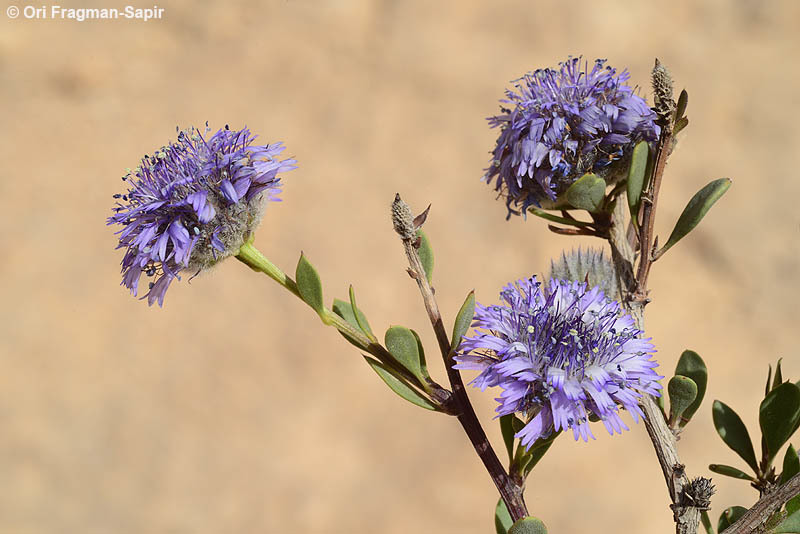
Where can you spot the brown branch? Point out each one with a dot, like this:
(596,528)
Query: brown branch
(648,209)
(762,510)
(510,492)
(687,517)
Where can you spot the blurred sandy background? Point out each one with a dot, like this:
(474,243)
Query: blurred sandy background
(232,409)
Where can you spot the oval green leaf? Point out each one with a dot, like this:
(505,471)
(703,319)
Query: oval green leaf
(507,431)
(502,519)
(637,173)
(682,392)
(397,385)
(696,209)
(309,284)
(733,432)
(528,525)
(778,375)
(463,320)
(789,525)
(345,311)
(360,318)
(587,192)
(425,252)
(537,452)
(778,416)
(791,464)
(683,101)
(404,345)
(706,522)
(691,365)
(729,471)
(729,517)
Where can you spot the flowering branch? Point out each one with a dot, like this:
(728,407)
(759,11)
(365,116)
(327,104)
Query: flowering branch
(510,492)
(762,510)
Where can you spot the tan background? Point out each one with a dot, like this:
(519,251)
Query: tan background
(232,409)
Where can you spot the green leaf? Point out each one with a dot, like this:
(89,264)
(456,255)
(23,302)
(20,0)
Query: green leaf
(587,192)
(345,311)
(706,522)
(397,385)
(733,432)
(778,375)
(778,416)
(768,387)
(309,285)
(463,320)
(528,525)
(537,452)
(691,365)
(425,252)
(683,101)
(696,209)
(502,519)
(791,464)
(507,430)
(637,173)
(405,346)
(729,471)
(729,517)
(361,319)
(789,525)
(680,124)
(682,393)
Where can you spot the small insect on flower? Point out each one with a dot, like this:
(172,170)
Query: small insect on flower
(561,124)
(560,355)
(193,203)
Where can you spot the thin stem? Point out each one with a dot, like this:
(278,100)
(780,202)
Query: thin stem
(762,510)
(648,210)
(510,492)
(252,257)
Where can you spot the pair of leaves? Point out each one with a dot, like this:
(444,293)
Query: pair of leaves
(779,418)
(687,388)
(406,348)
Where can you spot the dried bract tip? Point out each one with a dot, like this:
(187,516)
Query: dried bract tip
(402,218)
(590,266)
(664,105)
(698,493)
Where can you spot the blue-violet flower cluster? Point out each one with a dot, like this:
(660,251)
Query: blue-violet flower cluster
(559,356)
(561,124)
(193,203)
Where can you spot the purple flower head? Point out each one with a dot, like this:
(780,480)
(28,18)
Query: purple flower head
(562,124)
(192,204)
(560,355)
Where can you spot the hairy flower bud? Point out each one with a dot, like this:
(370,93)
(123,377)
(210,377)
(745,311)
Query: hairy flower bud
(664,105)
(590,266)
(192,204)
